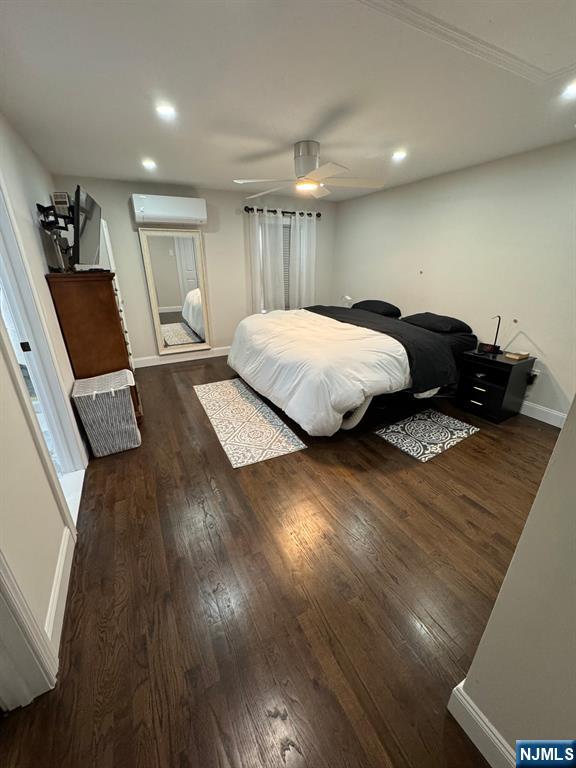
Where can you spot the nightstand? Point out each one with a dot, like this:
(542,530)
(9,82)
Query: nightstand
(492,386)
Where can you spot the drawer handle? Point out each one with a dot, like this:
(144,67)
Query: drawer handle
(476,402)
(480,389)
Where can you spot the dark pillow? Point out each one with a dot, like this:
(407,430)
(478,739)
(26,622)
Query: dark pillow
(379,307)
(438,323)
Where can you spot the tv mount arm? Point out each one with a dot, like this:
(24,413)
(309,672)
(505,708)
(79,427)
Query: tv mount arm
(53,223)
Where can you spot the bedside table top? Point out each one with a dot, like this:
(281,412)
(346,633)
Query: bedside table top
(499,359)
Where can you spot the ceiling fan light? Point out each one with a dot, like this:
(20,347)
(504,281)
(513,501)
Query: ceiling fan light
(307,185)
(166,111)
(399,155)
(569,92)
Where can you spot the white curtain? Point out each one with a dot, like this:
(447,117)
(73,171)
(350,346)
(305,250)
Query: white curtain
(264,236)
(302,260)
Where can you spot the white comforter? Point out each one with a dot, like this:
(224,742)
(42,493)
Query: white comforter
(316,369)
(193,313)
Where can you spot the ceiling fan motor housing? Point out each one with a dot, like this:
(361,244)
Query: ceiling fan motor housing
(306,157)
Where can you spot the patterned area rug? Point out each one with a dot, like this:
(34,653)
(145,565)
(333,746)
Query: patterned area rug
(426,434)
(178,333)
(248,430)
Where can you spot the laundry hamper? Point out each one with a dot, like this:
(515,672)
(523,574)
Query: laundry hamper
(105,407)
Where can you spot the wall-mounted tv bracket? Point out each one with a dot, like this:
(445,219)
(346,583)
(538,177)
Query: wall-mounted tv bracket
(54,222)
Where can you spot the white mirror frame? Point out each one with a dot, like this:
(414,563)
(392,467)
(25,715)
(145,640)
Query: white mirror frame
(196,235)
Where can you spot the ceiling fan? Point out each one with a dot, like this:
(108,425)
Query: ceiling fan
(311,176)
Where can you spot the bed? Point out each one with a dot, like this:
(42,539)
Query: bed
(323,365)
(193,313)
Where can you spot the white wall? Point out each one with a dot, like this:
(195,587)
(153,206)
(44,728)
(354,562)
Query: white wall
(165,271)
(522,678)
(498,238)
(227,266)
(27,182)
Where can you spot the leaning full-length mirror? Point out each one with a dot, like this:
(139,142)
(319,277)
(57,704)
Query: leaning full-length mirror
(174,264)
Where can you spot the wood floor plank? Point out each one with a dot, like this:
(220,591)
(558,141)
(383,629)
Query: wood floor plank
(311,611)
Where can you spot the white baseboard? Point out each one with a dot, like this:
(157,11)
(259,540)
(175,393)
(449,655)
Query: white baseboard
(46,659)
(170,309)
(540,412)
(489,741)
(72,483)
(57,603)
(146,362)
(22,674)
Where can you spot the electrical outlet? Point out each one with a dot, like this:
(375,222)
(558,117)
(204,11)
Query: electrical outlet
(532,376)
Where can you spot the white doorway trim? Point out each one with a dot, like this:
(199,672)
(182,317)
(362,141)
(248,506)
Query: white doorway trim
(14,370)
(24,302)
(186,283)
(29,651)
(27,668)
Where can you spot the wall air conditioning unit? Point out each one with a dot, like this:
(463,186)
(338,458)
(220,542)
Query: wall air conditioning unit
(161,209)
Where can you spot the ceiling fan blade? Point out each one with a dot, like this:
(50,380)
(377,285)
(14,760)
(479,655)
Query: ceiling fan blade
(357,183)
(320,192)
(326,170)
(267,192)
(263,181)
(332,118)
(266,154)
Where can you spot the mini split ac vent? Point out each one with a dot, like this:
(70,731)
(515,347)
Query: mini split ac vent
(161,209)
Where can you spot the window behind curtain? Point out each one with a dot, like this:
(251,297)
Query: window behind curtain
(282,251)
(286,233)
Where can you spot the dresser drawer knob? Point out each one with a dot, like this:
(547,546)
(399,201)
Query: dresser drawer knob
(480,389)
(476,402)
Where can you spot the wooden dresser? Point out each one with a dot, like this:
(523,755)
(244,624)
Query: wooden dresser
(92,325)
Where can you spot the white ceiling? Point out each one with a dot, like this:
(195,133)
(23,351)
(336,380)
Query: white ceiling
(457,82)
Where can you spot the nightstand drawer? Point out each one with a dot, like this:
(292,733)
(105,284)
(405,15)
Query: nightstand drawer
(489,374)
(492,386)
(474,405)
(480,393)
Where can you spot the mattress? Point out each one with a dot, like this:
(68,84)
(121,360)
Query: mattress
(319,369)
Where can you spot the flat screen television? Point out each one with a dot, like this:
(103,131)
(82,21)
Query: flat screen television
(87,214)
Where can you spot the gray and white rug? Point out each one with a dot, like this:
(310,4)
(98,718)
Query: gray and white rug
(426,434)
(248,430)
(178,333)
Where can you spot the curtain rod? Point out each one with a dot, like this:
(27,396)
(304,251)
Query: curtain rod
(248,209)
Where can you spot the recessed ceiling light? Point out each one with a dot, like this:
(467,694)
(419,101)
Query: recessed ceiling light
(306,185)
(399,155)
(149,164)
(166,111)
(570,91)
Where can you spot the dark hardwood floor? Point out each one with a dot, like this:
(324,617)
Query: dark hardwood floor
(313,610)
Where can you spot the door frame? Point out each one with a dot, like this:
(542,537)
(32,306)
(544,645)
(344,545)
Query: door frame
(24,305)
(181,270)
(29,668)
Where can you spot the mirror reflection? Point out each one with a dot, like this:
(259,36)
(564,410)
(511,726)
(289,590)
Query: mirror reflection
(174,272)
